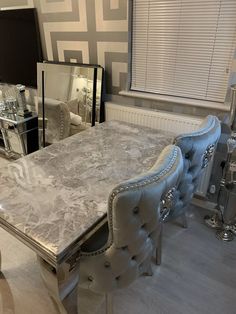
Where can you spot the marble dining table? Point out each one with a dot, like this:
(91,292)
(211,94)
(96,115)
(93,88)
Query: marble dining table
(53,200)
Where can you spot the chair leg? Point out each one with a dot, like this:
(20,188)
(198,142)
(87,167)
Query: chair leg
(159,247)
(184,220)
(109,303)
(147,270)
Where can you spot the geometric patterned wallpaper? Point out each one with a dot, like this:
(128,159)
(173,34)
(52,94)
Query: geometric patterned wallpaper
(84,31)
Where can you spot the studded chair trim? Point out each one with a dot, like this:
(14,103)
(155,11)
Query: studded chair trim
(197,149)
(134,226)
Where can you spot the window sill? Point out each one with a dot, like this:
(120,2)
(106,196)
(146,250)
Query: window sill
(176,100)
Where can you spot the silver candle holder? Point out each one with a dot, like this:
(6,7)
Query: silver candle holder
(224,218)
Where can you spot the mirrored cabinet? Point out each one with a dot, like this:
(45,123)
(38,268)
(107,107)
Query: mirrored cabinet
(18,124)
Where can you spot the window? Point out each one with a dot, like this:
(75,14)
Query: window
(183,47)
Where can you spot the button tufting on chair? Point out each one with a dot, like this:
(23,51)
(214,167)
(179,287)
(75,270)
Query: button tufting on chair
(107,264)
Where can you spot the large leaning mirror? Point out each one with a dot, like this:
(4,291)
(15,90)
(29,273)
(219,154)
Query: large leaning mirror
(69,99)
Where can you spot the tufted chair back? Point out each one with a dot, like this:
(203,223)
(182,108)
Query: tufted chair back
(197,149)
(133,226)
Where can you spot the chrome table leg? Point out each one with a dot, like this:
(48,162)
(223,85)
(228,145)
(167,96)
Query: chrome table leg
(61,282)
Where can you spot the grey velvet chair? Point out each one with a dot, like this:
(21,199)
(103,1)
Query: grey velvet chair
(122,250)
(197,149)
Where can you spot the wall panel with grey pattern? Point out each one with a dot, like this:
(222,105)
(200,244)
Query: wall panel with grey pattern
(84,31)
(88,31)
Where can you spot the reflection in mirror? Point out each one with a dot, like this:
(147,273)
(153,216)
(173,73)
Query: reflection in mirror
(69,99)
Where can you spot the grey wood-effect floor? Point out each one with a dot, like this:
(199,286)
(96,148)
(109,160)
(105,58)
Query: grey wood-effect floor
(197,276)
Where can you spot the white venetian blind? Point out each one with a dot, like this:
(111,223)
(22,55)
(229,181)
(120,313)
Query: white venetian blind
(183,47)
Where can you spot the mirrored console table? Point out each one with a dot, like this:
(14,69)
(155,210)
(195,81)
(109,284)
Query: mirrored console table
(18,135)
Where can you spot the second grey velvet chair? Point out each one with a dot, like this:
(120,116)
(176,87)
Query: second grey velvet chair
(122,250)
(197,149)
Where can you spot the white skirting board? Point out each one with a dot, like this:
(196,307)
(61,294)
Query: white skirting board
(171,122)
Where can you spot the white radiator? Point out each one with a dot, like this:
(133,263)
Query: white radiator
(171,122)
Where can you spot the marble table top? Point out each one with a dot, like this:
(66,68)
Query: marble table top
(50,198)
